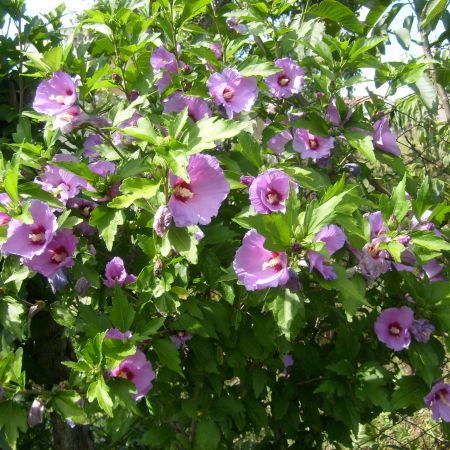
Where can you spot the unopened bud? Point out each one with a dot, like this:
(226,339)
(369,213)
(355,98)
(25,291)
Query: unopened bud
(162,220)
(293,282)
(82,286)
(134,94)
(246,179)
(36,413)
(116,78)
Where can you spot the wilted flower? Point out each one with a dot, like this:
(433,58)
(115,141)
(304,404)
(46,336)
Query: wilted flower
(232,90)
(258,268)
(433,270)
(72,118)
(278,142)
(293,283)
(311,146)
(179,338)
(288,81)
(421,329)
(383,139)
(269,191)
(334,238)
(197,107)
(393,327)
(138,370)
(89,146)
(56,95)
(162,220)
(82,286)
(439,401)
(373,260)
(28,240)
(115,273)
(36,413)
(57,254)
(198,201)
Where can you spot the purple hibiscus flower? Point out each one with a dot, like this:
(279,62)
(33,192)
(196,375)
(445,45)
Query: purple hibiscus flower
(278,142)
(377,226)
(288,81)
(4,200)
(198,201)
(434,271)
(421,329)
(197,107)
(36,413)
(269,191)
(334,238)
(246,179)
(56,95)
(162,220)
(333,116)
(72,118)
(114,333)
(137,369)
(439,401)
(288,362)
(163,60)
(57,254)
(179,338)
(102,168)
(383,139)
(374,261)
(89,146)
(115,273)
(258,268)
(233,91)
(234,24)
(216,48)
(310,146)
(28,240)
(393,327)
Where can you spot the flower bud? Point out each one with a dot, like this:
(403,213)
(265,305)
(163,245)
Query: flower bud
(293,282)
(246,179)
(162,220)
(82,286)
(36,413)
(116,78)
(134,95)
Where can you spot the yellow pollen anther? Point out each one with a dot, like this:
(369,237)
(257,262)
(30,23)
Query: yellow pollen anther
(273,262)
(183,192)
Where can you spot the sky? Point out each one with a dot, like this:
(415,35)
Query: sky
(394,52)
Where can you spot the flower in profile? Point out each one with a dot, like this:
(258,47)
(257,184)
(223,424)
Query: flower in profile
(89,146)
(233,91)
(179,338)
(216,48)
(311,146)
(28,240)
(438,400)
(383,139)
(162,220)
(36,413)
(393,327)
(4,200)
(257,267)
(122,139)
(269,191)
(332,114)
(102,168)
(163,60)
(377,226)
(114,333)
(72,118)
(56,95)
(197,201)
(197,107)
(374,261)
(334,238)
(434,271)
(421,329)
(115,273)
(278,142)
(137,369)
(246,179)
(234,25)
(288,81)
(57,254)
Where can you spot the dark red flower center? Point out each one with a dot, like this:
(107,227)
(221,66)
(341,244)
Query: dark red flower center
(125,373)
(374,251)
(182,191)
(273,197)
(273,263)
(228,94)
(395,329)
(313,143)
(37,235)
(283,80)
(4,219)
(441,396)
(59,254)
(69,91)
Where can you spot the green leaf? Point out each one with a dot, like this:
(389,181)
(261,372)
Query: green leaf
(423,199)
(10,182)
(426,360)
(425,88)
(184,243)
(13,418)
(309,178)
(362,143)
(98,390)
(400,204)
(289,312)
(362,45)
(432,9)
(106,220)
(193,8)
(168,354)
(134,188)
(143,131)
(409,393)
(254,66)
(337,12)
(429,241)
(121,312)
(207,435)
(250,149)
(34,190)
(314,123)
(66,403)
(80,169)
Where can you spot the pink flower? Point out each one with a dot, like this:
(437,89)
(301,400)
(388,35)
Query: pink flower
(198,201)
(233,91)
(334,238)
(162,59)
(114,333)
(439,401)
(392,327)
(288,81)
(115,273)
(258,268)
(28,240)
(311,146)
(434,271)
(139,371)
(269,191)
(72,118)
(57,254)
(383,139)
(197,107)
(374,261)
(333,116)
(4,200)
(216,48)
(278,142)
(56,95)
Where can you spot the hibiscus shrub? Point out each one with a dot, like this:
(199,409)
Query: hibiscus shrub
(207,244)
